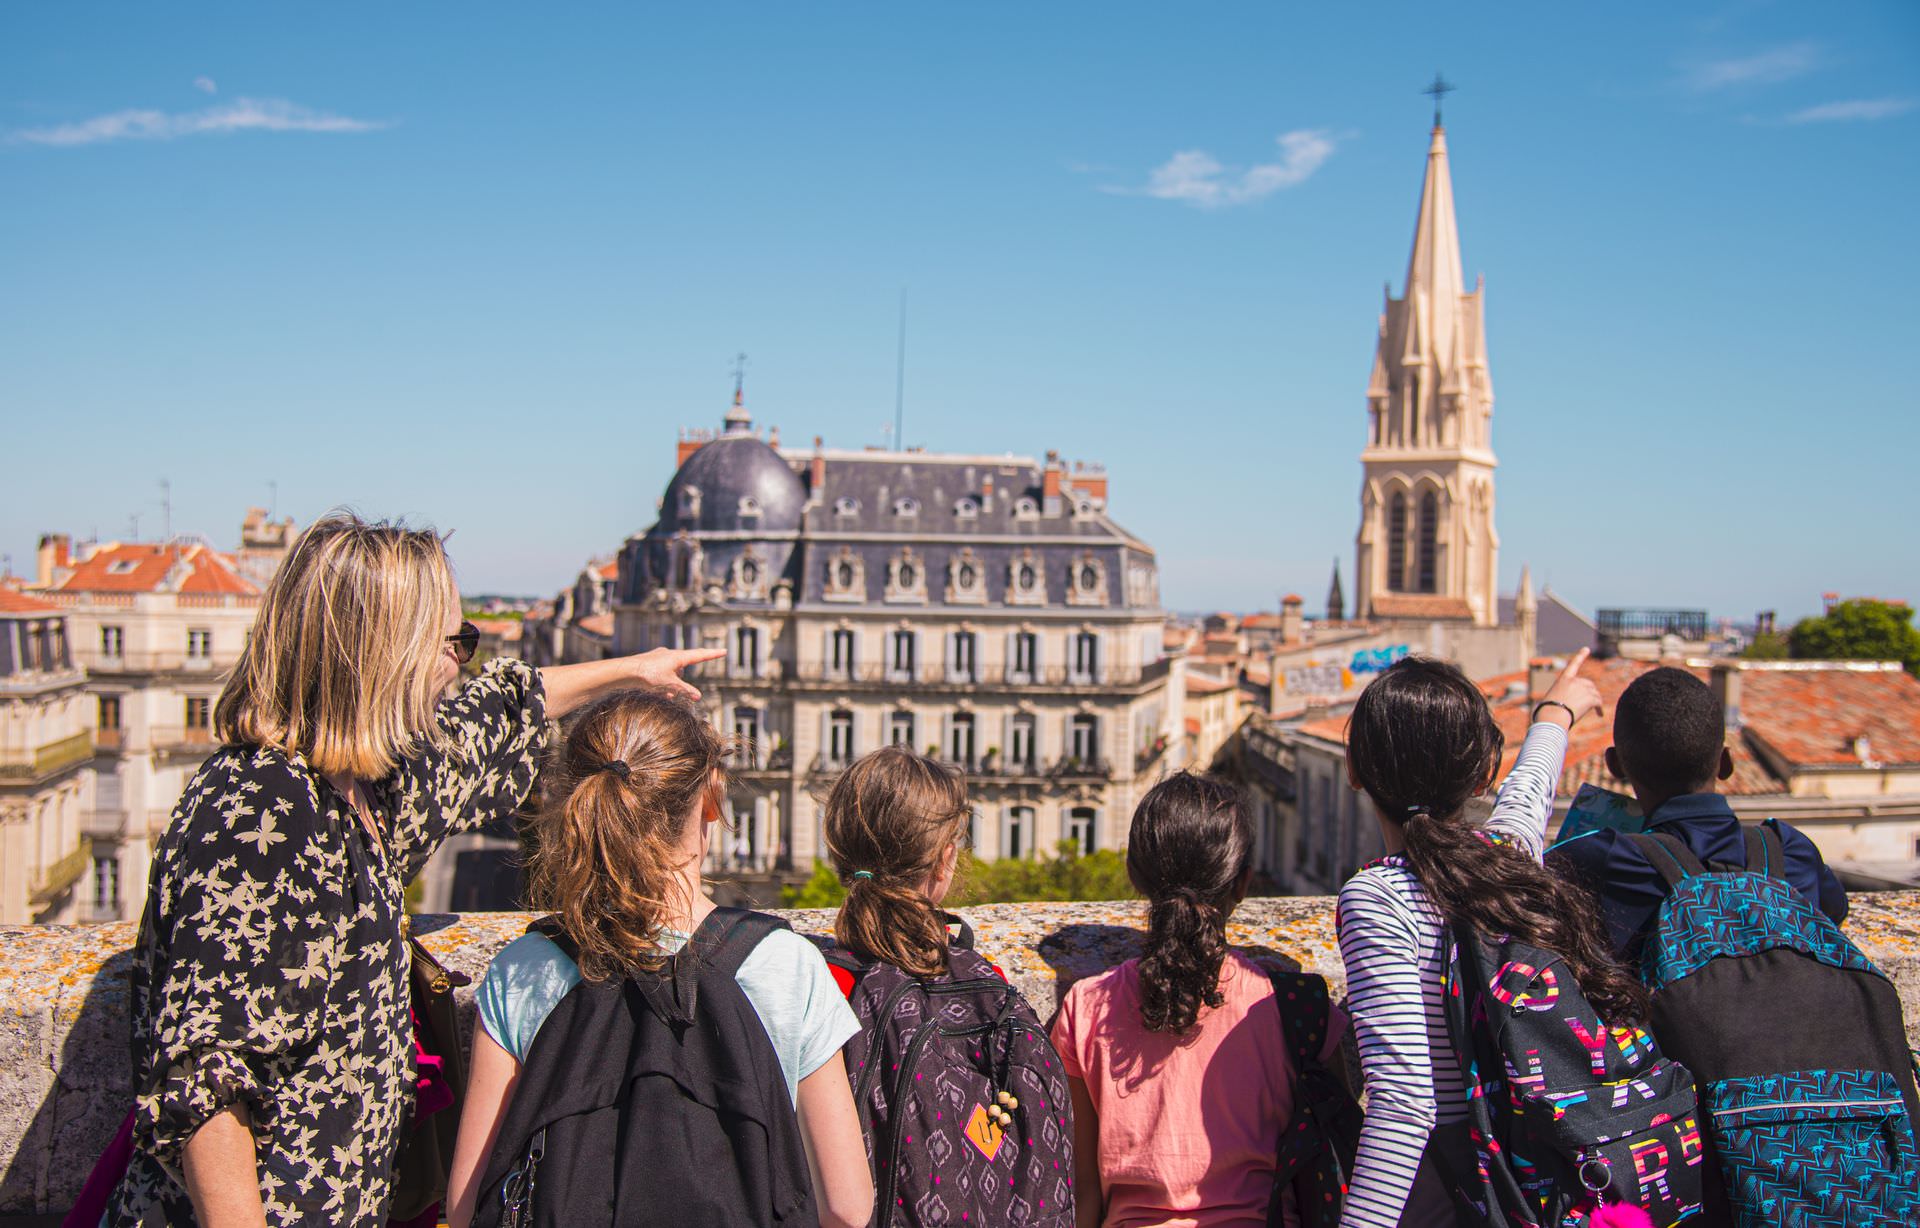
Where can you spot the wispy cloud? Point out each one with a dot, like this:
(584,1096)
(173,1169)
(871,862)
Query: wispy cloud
(1854,110)
(205,85)
(240,115)
(1765,68)
(1197,178)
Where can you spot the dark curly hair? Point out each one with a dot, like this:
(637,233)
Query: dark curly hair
(1422,743)
(1188,853)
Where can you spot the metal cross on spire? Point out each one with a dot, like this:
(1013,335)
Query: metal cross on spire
(1440,88)
(739,374)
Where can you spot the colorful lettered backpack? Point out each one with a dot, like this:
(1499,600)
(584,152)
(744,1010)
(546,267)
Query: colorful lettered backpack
(1806,1083)
(1570,1123)
(962,1098)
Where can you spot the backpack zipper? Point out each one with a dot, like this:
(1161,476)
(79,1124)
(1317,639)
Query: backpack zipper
(886,1013)
(1809,1104)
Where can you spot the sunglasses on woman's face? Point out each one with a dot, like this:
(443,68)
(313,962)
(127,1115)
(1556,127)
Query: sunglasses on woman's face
(465,641)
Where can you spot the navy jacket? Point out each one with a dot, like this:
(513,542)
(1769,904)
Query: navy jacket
(1630,891)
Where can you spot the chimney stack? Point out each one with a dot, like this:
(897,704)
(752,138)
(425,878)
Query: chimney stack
(55,555)
(1050,481)
(1541,673)
(817,472)
(1725,681)
(1293,627)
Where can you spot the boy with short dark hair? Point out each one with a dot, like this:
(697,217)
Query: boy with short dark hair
(1669,745)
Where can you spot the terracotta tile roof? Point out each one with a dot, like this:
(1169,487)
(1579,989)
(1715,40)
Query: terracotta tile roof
(507,630)
(1810,718)
(1330,728)
(1207,684)
(1419,605)
(13,601)
(143,567)
(609,570)
(1260,622)
(596,624)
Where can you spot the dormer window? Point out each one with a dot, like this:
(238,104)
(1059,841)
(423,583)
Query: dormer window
(689,502)
(906,577)
(1083,509)
(122,567)
(1024,577)
(967,577)
(966,509)
(846,507)
(843,574)
(1089,578)
(749,506)
(1087,581)
(749,573)
(1026,509)
(906,507)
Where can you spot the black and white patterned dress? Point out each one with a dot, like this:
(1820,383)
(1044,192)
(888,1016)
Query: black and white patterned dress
(271,968)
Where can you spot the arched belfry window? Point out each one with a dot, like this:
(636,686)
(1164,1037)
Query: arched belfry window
(1397,542)
(1429,541)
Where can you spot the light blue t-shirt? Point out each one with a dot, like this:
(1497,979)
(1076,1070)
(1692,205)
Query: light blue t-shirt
(785,978)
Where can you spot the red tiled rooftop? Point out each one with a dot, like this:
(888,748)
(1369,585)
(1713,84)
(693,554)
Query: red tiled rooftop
(609,570)
(597,624)
(1207,684)
(13,601)
(1810,718)
(143,567)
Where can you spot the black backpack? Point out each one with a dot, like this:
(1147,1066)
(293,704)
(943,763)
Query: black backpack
(962,1099)
(654,1096)
(1806,1082)
(1318,1145)
(1564,1114)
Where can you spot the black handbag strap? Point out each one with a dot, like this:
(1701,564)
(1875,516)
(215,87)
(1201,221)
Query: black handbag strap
(1766,852)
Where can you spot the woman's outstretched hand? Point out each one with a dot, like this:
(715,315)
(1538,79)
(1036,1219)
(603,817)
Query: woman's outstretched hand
(659,670)
(1578,696)
(570,686)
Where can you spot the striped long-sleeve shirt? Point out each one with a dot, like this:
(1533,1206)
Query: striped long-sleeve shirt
(1390,942)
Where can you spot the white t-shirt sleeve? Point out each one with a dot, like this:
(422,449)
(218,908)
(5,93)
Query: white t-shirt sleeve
(806,1016)
(523,984)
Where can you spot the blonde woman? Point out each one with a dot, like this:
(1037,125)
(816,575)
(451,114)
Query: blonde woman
(270,1033)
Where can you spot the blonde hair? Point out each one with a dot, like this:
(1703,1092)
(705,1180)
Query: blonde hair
(606,845)
(890,820)
(339,666)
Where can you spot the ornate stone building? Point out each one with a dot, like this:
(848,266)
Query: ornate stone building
(46,765)
(1426,546)
(985,608)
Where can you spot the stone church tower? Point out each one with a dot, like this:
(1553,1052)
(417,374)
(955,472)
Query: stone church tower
(1427,547)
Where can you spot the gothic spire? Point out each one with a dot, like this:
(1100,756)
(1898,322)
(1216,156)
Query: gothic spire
(1434,280)
(1336,600)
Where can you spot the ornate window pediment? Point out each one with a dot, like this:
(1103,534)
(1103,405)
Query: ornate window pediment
(846,576)
(966,579)
(689,503)
(907,577)
(1026,579)
(1087,581)
(748,578)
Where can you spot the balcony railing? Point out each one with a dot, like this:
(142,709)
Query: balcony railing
(109,739)
(1052,677)
(106,822)
(182,738)
(1075,767)
(64,873)
(45,761)
(144,662)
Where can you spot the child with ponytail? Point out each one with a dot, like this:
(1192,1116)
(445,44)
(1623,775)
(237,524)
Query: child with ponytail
(1421,744)
(1179,1062)
(642,1053)
(962,1098)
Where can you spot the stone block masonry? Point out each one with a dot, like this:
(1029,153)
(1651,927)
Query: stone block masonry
(64,1073)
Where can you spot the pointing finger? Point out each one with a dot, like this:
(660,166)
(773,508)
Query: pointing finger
(1573,666)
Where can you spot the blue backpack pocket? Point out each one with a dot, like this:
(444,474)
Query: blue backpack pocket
(1833,1146)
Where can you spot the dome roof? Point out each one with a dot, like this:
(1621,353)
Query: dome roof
(736,483)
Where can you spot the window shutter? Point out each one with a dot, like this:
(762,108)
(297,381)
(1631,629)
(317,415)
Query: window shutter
(826,734)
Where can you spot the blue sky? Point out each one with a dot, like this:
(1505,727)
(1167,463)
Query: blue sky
(477,264)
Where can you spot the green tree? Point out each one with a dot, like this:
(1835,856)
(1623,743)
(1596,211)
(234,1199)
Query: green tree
(1767,646)
(822,890)
(1860,629)
(1067,875)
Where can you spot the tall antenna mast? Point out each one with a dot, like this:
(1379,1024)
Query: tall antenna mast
(273,499)
(166,509)
(900,380)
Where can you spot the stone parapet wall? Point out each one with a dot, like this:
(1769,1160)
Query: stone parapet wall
(64,1074)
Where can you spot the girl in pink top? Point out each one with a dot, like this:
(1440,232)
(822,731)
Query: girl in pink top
(1179,1068)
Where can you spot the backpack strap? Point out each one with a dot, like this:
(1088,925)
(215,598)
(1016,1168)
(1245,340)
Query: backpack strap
(963,939)
(1304,1004)
(1669,856)
(1766,852)
(549,927)
(720,944)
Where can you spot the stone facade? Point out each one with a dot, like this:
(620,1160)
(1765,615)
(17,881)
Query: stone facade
(46,765)
(985,608)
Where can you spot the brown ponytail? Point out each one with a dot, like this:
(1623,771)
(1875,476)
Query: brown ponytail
(1188,852)
(890,820)
(1422,742)
(634,770)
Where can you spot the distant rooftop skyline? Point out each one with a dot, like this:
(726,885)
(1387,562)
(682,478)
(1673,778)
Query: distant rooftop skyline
(482,272)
